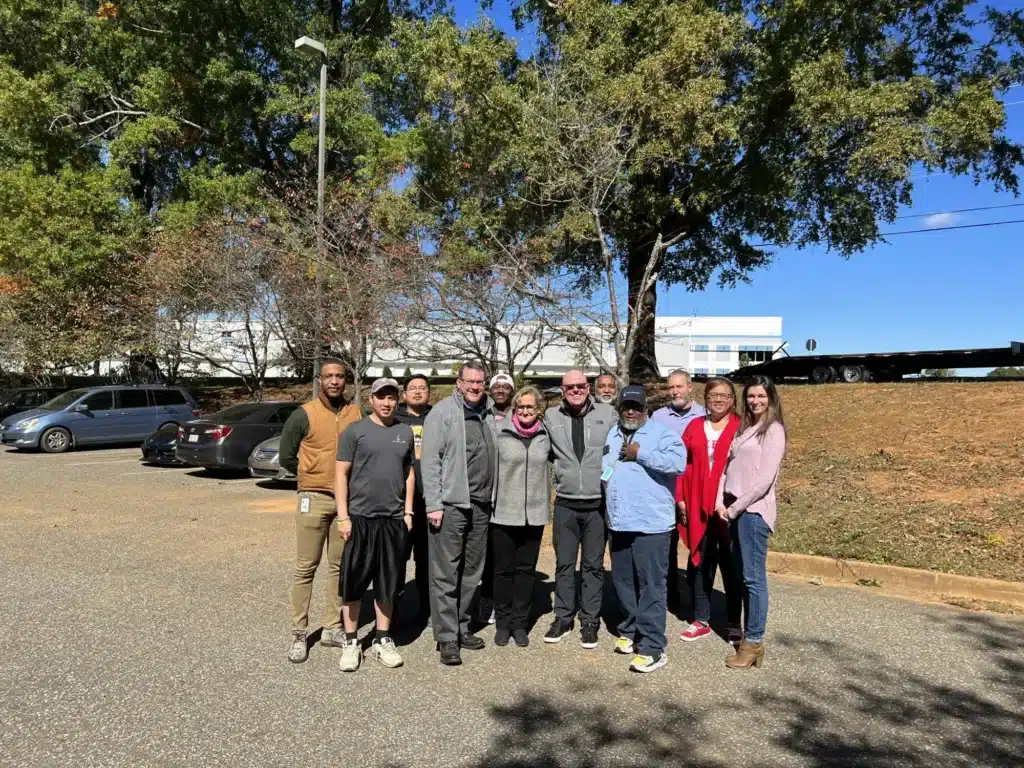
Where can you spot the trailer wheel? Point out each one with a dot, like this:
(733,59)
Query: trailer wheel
(823,374)
(853,374)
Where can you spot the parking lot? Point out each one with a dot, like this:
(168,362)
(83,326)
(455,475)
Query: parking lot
(146,623)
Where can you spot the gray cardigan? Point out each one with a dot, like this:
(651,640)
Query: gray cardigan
(523,492)
(443,454)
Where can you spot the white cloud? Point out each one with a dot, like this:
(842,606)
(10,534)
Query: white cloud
(941,220)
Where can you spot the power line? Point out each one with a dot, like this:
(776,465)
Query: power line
(961,210)
(915,231)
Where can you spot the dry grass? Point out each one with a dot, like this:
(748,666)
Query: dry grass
(925,475)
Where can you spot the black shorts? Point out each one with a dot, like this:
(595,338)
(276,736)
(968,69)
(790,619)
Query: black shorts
(374,554)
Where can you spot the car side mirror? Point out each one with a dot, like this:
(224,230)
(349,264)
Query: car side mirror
(82,408)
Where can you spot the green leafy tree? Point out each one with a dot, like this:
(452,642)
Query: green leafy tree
(1006,372)
(771,122)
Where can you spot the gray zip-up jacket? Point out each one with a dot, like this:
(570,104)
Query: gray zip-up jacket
(443,454)
(575,479)
(522,495)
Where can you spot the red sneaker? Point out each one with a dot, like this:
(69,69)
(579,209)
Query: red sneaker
(695,631)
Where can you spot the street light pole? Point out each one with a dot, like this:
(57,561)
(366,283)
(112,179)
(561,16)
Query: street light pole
(311,47)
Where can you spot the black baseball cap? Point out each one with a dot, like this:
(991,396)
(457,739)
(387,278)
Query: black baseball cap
(634,393)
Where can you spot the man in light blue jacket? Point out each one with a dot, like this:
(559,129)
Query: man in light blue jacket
(641,462)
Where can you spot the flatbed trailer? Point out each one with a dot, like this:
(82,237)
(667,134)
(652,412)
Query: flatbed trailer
(881,366)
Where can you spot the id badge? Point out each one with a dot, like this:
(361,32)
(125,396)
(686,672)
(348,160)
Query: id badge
(607,474)
(304,505)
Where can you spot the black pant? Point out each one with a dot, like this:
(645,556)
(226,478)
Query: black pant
(487,582)
(673,570)
(714,554)
(514,551)
(416,548)
(457,551)
(576,530)
(639,563)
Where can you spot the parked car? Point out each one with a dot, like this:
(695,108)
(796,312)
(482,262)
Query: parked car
(25,399)
(227,438)
(159,447)
(95,415)
(264,461)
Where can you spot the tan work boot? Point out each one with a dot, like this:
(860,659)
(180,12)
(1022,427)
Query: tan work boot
(747,655)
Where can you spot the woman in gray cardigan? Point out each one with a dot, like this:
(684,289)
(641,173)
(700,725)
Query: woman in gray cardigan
(521,499)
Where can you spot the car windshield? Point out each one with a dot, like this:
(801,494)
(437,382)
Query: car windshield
(237,412)
(63,401)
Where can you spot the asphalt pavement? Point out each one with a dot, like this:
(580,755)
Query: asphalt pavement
(145,623)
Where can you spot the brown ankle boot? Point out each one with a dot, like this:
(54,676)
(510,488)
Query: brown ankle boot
(748,655)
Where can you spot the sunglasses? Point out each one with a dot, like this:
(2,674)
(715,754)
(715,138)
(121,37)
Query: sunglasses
(575,387)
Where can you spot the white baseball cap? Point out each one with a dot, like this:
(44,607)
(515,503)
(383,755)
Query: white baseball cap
(502,378)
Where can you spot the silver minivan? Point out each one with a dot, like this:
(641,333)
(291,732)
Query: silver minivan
(93,415)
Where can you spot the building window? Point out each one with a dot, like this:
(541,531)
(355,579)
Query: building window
(749,355)
(700,371)
(700,348)
(722,371)
(723,347)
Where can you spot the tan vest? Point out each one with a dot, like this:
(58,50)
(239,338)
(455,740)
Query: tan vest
(319,448)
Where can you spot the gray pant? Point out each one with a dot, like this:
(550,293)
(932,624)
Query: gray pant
(457,552)
(576,530)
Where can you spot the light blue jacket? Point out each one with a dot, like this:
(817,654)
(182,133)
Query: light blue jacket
(640,494)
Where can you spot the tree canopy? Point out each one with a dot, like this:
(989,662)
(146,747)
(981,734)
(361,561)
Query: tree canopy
(722,128)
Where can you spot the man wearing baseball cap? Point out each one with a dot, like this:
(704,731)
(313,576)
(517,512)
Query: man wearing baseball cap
(375,487)
(501,388)
(641,462)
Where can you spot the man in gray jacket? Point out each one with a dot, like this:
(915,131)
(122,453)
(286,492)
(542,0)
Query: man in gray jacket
(459,464)
(577,429)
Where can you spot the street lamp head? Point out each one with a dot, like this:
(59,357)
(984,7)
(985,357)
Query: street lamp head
(310,47)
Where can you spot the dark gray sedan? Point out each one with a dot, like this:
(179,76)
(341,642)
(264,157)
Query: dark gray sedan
(265,461)
(225,439)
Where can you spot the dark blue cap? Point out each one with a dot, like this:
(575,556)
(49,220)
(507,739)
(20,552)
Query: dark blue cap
(634,393)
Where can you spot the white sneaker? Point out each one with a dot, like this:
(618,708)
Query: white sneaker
(386,652)
(351,656)
(624,645)
(641,663)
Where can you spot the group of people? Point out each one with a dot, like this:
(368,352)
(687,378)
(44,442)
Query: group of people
(464,488)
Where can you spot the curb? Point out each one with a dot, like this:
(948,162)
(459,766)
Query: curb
(897,577)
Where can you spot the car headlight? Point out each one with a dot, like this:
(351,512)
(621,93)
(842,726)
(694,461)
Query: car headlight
(27,424)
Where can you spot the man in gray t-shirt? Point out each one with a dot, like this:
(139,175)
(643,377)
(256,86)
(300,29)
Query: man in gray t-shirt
(374,489)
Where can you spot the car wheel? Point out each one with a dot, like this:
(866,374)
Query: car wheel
(853,374)
(168,424)
(823,374)
(55,440)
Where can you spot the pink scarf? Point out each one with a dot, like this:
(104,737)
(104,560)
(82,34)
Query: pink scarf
(525,431)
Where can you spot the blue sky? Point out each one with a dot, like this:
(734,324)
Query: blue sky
(934,290)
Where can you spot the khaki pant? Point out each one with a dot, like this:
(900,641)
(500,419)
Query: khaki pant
(314,527)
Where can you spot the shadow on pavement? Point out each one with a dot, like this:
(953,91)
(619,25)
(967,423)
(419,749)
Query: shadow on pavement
(220,474)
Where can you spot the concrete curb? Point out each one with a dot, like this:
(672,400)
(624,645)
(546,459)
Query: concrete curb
(897,577)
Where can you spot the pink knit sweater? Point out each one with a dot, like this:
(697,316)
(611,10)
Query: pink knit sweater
(752,472)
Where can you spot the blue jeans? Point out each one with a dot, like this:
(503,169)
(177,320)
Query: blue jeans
(748,539)
(639,575)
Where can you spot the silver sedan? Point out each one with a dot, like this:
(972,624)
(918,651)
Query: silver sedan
(264,461)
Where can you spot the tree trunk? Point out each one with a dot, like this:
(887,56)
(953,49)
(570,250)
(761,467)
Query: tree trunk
(644,365)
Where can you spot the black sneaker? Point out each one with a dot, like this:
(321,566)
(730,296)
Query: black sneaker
(588,636)
(450,655)
(470,642)
(558,630)
(501,637)
(522,639)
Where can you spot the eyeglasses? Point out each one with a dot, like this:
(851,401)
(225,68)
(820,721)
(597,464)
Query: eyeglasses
(575,387)
(417,389)
(472,383)
(526,408)
(719,398)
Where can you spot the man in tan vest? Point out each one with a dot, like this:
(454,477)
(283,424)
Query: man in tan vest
(309,443)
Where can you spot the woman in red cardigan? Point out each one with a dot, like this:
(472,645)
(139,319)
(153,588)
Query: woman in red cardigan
(707,442)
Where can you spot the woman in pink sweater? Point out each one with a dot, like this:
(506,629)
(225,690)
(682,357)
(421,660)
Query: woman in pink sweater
(746,498)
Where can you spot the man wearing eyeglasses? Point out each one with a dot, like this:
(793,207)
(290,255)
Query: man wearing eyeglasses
(577,429)
(459,464)
(676,416)
(309,443)
(414,411)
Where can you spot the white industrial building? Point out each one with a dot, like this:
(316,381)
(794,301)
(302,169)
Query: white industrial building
(701,345)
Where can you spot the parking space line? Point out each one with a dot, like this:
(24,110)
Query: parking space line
(91,463)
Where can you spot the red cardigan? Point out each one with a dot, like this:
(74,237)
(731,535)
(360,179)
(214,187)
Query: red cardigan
(698,486)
